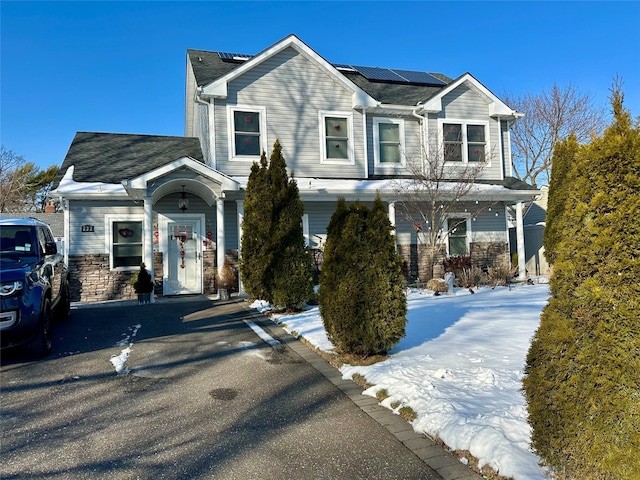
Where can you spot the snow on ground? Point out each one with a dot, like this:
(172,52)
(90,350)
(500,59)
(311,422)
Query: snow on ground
(459,367)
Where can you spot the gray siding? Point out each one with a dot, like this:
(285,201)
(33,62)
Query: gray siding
(487,227)
(465,104)
(293,90)
(93,213)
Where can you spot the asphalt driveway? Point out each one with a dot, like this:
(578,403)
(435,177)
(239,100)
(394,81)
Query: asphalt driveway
(200,395)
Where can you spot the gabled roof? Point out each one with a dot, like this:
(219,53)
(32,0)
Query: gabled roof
(496,106)
(212,71)
(113,157)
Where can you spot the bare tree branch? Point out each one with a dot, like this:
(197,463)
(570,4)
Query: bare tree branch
(549,117)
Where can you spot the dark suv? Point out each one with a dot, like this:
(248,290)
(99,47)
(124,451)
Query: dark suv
(34,285)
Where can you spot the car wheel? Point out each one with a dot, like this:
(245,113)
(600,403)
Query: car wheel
(63,310)
(40,345)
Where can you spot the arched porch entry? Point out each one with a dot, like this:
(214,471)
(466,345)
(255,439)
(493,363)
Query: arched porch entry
(184,210)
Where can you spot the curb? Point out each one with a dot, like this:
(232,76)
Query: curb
(434,455)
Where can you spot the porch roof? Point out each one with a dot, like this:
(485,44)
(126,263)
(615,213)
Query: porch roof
(327,189)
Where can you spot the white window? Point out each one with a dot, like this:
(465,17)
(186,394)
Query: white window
(247,132)
(464,141)
(458,230)
(336,137)
(388,139)
(124,241)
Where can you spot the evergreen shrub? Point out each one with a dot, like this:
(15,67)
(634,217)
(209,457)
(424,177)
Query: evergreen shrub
(581,377)
(361,295)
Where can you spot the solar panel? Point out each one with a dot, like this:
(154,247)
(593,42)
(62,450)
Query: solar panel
(419,77)
(234,57)
(380,74)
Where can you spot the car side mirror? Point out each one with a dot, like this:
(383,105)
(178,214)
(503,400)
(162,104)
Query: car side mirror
(50,248)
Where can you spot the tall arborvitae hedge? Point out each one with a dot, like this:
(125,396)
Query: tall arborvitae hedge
(255,258)
(581,378)
(362,302)
(562,161)
(291,282)
(275,264)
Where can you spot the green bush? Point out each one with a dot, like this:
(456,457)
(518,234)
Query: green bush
(361,295)
(275,264)
(581,376)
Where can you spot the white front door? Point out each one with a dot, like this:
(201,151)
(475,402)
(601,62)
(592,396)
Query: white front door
(183,256)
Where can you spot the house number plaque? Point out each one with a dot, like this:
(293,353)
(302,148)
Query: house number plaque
(87,228)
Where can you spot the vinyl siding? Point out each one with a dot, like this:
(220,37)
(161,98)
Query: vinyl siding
(464,104)
(486,228)
(93,213)
(293,91)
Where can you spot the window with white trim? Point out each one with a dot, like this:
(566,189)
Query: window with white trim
(464,142)
(388,138)
(457,237)
(246,127)
(125,242)
(336,131)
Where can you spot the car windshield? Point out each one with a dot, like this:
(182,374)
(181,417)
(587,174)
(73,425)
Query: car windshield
(18,242)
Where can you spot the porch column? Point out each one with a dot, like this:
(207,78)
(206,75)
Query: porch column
(147,254)
(220,232)
(522,271)
(392,220)
(240,209)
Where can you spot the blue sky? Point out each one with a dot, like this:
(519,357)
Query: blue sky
(119,66)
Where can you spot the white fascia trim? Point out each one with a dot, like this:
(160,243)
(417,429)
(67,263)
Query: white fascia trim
(141,182)
(218,88)
(70,189)
(496,106)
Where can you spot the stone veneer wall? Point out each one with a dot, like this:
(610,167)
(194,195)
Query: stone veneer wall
(490,254)
(417,260)
(93,281)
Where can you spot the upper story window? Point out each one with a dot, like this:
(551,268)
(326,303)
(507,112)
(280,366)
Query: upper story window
(337,137)
(465,141)
(388,138)
(247,127)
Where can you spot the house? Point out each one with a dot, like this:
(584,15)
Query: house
(176,203)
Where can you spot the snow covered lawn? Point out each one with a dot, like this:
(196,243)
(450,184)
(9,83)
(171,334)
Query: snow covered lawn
(459,368)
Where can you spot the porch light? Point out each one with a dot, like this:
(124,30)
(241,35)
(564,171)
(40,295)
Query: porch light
(183,201)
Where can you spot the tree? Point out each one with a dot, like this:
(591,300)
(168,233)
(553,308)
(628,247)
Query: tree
(436,192)
(275,264)
(292,272)
(564,157)
(581,376)
(23,186)
(549,118)
(361,296)
(256,226)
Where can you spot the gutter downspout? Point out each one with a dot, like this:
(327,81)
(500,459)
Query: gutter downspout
(423,145)
(211,160)
(366,142)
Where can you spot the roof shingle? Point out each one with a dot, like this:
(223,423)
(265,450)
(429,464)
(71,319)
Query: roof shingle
(113,157)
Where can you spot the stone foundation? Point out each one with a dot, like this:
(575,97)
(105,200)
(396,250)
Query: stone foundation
(92,281)
(419,262)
